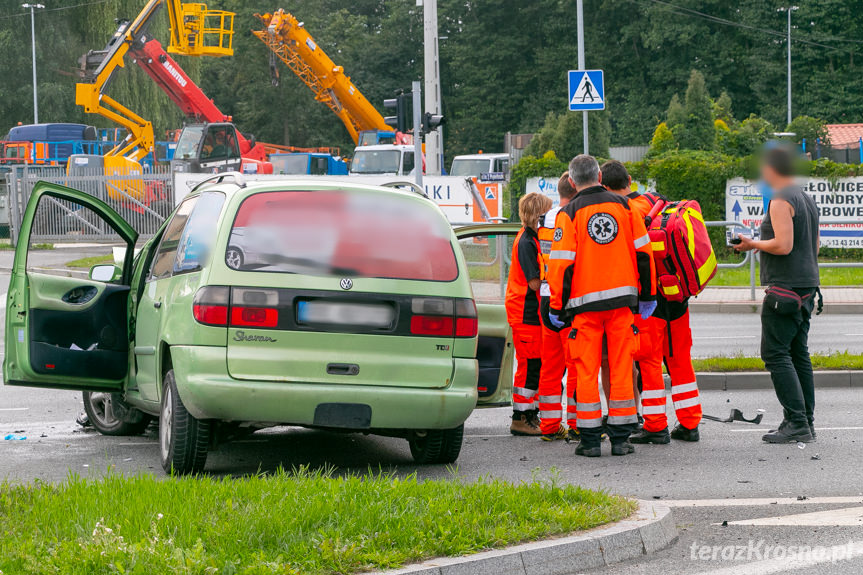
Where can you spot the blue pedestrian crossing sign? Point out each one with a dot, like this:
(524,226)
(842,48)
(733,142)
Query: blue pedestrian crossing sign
(586,90)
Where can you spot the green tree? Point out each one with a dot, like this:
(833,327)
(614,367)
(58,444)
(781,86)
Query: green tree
(700,133)
(563,134)
(722,109)
(663,140)
(809,129)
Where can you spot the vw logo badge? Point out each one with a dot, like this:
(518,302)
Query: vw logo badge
(346,283)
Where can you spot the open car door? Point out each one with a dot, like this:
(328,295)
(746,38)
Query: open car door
(487,250)
(68,332)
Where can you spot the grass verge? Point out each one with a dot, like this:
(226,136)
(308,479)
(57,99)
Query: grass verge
(833,361)
(829,277)
(90,261)
(286,524)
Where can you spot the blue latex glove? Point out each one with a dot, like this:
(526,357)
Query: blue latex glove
(646,309)
(555,320)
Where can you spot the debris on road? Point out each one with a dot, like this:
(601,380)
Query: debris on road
(15,437)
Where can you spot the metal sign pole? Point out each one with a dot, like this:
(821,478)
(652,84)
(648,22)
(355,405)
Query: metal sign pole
(432,86)
(418,133)
(579,12)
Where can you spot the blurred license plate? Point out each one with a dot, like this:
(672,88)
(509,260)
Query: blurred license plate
(334,313)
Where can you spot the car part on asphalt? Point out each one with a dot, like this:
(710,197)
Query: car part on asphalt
(737,415)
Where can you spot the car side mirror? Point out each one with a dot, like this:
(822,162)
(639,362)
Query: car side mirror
(105,273)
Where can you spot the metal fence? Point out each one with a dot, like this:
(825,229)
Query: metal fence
(142,200)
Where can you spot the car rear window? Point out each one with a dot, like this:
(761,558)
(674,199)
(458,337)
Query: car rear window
(341,233)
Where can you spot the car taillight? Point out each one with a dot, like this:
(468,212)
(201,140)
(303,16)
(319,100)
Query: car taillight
(210,306)
(254,317)
(443,317)
(431,325)
(466,323)
(254,307)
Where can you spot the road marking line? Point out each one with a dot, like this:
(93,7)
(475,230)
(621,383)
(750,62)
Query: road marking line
(490,435)
(850,517)
(763,501)
(700,337)
(762,429)
(14,408)
(852,550)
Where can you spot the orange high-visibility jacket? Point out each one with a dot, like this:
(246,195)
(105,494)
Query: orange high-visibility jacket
(547,224)
(641,204)
(522,303)
(600,257)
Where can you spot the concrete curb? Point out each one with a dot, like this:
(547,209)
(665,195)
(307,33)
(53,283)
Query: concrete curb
(755,307)
(649,530)
(741,381)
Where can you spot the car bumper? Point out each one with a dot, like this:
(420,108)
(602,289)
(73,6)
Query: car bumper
(208,392)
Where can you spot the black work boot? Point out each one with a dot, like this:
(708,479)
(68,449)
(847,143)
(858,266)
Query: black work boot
(624,448)
(790,432)
(585,451)
(683,434)
(656,437)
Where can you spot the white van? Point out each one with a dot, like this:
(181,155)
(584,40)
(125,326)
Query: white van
(474,165)
(383,160)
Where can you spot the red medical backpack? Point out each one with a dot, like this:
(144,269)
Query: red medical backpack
(685,261)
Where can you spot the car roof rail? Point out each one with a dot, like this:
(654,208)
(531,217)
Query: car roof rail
(239,180)
(415,188)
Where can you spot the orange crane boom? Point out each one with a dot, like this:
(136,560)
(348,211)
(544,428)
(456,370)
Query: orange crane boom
(288,39)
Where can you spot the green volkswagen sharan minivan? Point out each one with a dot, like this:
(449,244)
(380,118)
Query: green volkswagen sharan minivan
(283,302)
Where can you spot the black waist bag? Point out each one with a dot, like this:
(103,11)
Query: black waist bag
(786,301)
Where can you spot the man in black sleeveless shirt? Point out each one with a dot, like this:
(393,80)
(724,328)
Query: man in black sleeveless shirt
(789,261)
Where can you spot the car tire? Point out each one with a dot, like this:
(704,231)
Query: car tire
(439,446)
(234,257)
(183,440)
(100,409)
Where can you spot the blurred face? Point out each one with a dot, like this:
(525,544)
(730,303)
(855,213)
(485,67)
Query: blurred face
(770,176)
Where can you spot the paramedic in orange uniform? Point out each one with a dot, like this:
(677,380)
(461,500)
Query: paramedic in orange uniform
(555,351)
(522,312)
(601,269)
(665,337)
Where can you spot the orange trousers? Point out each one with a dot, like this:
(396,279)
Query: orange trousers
(669,342)
(555,362)
(585,348)
(527,340)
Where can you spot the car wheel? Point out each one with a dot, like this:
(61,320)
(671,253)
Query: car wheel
(437,446)
(234,257)
(108,417)
(183,440)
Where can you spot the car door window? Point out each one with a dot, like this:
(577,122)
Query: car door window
(58,222)
(166,253)
(409,163)
(488,260)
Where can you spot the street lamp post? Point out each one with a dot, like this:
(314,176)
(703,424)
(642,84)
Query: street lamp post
(789,10)
(33,8)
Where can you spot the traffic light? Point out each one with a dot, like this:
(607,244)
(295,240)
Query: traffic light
(431,122)
(402,105)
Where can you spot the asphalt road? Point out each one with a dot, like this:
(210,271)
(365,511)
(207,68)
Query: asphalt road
(728,468)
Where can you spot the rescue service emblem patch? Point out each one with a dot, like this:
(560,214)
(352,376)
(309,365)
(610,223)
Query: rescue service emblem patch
(558,234)
(602,228)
